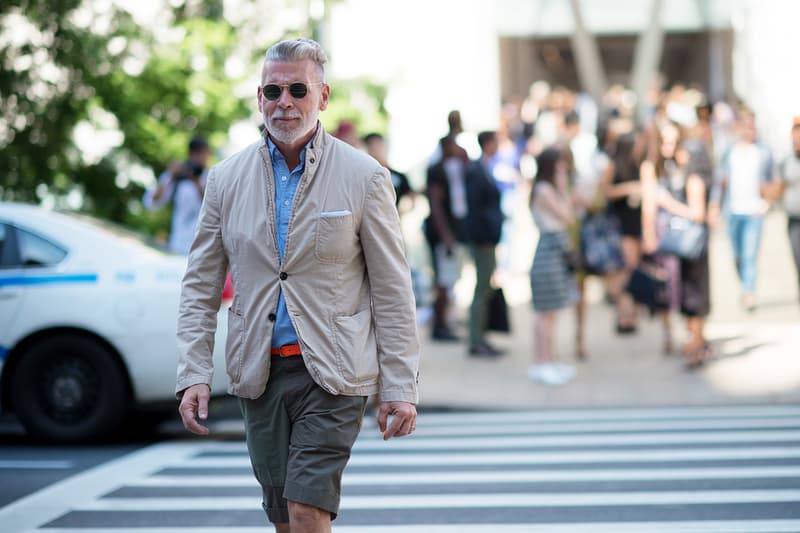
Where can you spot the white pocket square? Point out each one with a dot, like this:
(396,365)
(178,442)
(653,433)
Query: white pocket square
(329,214)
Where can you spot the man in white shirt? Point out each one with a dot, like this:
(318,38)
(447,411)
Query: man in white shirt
(182,185)
(745,174)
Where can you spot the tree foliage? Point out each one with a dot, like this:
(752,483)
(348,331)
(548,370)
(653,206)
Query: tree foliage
(92,102)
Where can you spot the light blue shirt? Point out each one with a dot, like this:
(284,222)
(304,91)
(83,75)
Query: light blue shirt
(286,183)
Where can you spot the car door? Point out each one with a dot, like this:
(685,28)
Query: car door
(26,259)
(11,291)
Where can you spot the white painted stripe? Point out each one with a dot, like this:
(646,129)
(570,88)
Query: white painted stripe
(55,500)
(426,429)
(710,526)
(665,439)
(495,458)
(452,501)
(36,465)
(483,477)
(592,415)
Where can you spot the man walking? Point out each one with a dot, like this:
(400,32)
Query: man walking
(323,314)
(484,224)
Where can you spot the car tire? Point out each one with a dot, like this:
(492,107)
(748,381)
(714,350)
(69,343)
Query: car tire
(68,388)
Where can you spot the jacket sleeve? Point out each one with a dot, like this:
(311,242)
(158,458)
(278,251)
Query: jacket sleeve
(201,295)
(393,306)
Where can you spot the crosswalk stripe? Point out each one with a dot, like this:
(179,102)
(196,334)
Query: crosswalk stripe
(710,526)
(726,437)
(447,501)
(486,477)
(612,415)
(520,458)
(429,428)
(36,465)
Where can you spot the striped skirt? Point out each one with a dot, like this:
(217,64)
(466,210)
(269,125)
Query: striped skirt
(553,286)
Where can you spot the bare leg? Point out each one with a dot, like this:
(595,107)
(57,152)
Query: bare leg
(308,519)
(667,328)
(580,320)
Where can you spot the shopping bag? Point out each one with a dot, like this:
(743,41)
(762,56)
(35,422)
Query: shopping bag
(498,312)
(648,286)
(601,247)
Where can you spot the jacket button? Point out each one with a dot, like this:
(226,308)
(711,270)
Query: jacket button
(283,275)
(311,160)
(272,317)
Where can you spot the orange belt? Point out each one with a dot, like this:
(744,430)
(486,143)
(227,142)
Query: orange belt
(287,350)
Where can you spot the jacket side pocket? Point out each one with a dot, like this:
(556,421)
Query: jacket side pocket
(233,346)
(355,339)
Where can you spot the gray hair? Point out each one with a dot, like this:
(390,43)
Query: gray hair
(298,50)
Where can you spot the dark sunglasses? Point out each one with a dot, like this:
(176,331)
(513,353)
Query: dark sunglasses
(298,90)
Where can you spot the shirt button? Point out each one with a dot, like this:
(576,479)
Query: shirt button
(286,202)
(283,275)
(272,317)
(283,178)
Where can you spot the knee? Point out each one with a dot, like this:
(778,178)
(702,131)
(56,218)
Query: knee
(301,514)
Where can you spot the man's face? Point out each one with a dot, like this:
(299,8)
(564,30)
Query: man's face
(290,119)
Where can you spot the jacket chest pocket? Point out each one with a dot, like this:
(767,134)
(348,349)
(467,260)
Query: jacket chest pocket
(336,239)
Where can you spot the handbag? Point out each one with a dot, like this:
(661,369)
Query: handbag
(648,286)
(601,247)
(684,238)
(498,312)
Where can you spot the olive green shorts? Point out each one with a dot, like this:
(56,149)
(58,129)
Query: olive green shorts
(299,438)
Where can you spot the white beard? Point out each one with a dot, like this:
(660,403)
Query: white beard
(290,135)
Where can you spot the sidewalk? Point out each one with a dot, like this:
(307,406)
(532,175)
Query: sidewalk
(757,355)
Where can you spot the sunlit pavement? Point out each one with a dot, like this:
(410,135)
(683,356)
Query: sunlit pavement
(756,355)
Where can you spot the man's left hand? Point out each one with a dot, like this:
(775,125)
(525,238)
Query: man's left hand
(404,420)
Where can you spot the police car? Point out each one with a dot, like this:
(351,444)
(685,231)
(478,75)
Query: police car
(88,313)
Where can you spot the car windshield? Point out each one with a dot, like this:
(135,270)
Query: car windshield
(120,232)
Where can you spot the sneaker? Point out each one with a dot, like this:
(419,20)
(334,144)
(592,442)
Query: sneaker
(443,333)
(566,370)
(484,350)
(547,373)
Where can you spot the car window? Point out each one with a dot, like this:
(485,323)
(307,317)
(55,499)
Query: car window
(35,251)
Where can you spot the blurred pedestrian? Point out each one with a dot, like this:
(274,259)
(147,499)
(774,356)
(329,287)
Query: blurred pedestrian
(677,184)
(375,145)
(346,131)
(623,192)
(445,229)
(552,281)
(789,176)
(316,325)
(745,171)
(484,224)
(182,186)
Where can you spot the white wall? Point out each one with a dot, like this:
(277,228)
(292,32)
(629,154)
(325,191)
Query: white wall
(432,55)
(765,65)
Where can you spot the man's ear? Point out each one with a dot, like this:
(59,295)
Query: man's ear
(326,94)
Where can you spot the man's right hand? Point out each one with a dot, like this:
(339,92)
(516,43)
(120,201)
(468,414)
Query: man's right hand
(194,405)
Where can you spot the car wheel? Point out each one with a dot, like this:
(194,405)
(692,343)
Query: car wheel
(68,388)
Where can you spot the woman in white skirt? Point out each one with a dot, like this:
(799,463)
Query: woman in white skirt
(553,285)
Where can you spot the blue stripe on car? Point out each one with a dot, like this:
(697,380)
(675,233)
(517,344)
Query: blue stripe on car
(11,281)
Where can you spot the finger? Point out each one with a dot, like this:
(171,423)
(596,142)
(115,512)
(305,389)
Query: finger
(383,413)
(202,404)
(394,427)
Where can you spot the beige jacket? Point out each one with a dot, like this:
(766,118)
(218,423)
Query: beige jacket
(344,276)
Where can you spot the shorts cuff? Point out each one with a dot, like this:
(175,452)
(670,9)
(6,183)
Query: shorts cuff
(316,498)
(276,515)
